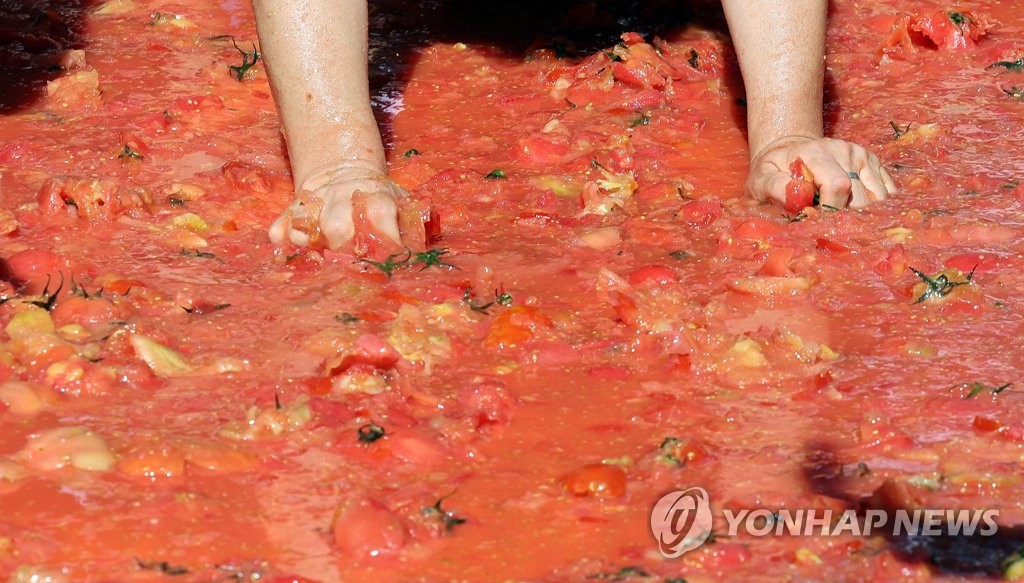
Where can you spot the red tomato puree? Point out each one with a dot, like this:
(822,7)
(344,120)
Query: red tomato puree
(600,318)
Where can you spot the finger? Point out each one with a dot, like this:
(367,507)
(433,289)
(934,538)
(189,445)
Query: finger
(298,238)
(336,222)
(833,181)
(382,212)
(773,187)
(767,180)
(282,232)
(873,185)
(278,230)
(890,184)
(859,195)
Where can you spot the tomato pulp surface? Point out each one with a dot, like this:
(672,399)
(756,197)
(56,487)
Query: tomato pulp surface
(601,316)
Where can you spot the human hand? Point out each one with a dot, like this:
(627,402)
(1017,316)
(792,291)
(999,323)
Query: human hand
(340,209)
(843,173)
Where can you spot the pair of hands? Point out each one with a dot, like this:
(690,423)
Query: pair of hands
(335,209)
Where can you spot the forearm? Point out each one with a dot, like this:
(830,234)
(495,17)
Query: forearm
(315,53)
(780,45)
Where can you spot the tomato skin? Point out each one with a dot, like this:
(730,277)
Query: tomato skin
(369,351)
(542,149)
(122,286)
(986,424)
(487,404)
(826,244)
(138,375)
(658,274)
(596,480)
(246,177)
(365,529)
(977,262)
(800,189)
(132,142)
(32,267)
(702,211)
(757,229)
(882,435)
(516,325)
(413,447)
(86,312)
(894,264)
(777,263)
(305,261)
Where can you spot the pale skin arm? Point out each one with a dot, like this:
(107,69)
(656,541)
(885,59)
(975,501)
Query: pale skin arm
(781,46)
(316,54)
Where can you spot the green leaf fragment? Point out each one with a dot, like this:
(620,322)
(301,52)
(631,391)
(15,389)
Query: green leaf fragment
(370,433)
(391,262)
(622,574)
(615,58)
(448,518)
(694,60)
(643,120)
(431,258)
(977,388)
(501,299)
(897,131)
(504,299)
(129,154)
(198,254)
(1017,65)
(249,60)
(162,566)
(396,261)
(940,286)
(346,318)
(49,300)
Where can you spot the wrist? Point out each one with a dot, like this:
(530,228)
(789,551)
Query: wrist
(343,171)
(783,140)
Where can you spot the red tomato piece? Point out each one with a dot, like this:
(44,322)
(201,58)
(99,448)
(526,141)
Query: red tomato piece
(515,325)
(977,262)
(487,403)
(626,309)
(703,211)
(247,177)
(32,268)
(986,424)
(542,149)
(777,263)
(826,244)
(369,351)
(366,529)
(894,264)
(800,189)
(757,229)
(596,480)
(86,312)
(658,274)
